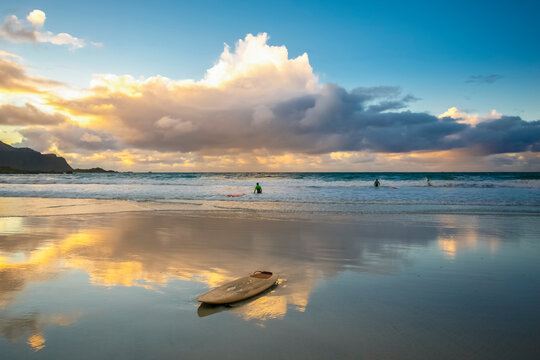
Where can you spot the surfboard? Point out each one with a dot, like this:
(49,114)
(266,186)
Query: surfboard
(240,289)
(205,309)
(235,195)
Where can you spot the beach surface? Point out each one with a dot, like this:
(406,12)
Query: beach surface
(87,279)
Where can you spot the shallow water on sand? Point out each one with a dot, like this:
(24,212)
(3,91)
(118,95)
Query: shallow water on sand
(294,192)
(390,286)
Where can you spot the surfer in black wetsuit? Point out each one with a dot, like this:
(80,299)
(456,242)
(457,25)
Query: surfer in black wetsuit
(376,183)
(258,189)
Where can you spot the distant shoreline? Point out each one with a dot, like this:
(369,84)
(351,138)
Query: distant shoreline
(10,170)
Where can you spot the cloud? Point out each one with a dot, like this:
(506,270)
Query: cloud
(67,137)
(27,115)
(36,17)
(255,98)
(97,44)
(15,30)
(484,79)
(254,60)
(18,30)
(257,108)
(463,117)
(508,134)
(7,55)
(60,39)
(13,77)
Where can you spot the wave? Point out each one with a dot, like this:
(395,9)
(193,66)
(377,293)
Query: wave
(335,190)
(283,182)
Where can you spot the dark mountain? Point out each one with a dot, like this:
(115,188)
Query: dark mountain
(93,170)
(28,160)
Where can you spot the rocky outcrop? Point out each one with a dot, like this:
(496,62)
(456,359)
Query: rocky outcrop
(93,170)
(28,160)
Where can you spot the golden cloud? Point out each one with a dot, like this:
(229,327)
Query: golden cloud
(256,109)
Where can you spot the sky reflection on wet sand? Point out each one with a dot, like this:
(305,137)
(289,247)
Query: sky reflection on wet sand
(389,286)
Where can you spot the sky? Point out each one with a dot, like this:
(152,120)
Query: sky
(274,86)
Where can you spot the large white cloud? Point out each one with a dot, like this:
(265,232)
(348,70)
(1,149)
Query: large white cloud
(254,60)
(255,97)
(256,100)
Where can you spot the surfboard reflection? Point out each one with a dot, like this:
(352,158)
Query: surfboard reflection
(253,302)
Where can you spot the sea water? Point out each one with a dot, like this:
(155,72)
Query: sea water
(349,192)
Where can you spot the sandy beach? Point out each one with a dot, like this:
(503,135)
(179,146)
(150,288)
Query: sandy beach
(341,179)
(124,285)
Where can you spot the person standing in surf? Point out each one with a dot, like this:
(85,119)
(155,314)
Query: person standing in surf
(258,189)
(376,183)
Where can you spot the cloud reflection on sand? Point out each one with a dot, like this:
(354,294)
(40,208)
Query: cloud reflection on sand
(151,250)
(134,253)
(452,243)
(31,326)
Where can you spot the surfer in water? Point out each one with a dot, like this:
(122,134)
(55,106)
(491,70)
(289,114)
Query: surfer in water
(258,189)
(376,183)
(428,182)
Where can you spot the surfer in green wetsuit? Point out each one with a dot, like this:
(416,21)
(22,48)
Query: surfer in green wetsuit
(376,183)
(258,189)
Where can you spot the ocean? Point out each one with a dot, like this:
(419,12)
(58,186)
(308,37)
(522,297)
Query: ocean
(403,271)
(500,192)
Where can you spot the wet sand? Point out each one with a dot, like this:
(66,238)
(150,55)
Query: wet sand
(123,285)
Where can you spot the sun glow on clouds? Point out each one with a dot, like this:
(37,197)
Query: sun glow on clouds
(254,72)
(252,57)
(107,84)
(463,117)
(254,110)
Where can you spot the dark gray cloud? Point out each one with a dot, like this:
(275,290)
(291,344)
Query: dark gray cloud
(508,134)
(332,119)
(484,79)
(27,115)
(14,29)
(68,137)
